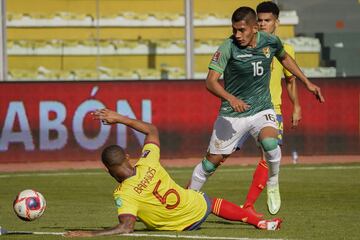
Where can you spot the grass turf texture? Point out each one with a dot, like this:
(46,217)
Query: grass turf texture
(318,202)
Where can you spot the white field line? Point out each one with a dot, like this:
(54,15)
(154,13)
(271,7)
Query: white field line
(192,236)
(33,233)
(146,235)
(11,175)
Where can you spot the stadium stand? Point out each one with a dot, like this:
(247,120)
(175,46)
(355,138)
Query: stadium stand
(133,37)
(341,50)
(21,74)
(337,28)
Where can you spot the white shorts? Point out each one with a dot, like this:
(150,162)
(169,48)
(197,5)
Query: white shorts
(230,133)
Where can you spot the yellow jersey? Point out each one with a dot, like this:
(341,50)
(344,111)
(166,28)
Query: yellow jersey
(277,71)
(154,197)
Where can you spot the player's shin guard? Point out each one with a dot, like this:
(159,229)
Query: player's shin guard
(273,193)
(258,183)
(200,174)
(230,211)
(273,158)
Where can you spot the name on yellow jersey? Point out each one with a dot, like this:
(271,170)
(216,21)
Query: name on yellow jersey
(144,183)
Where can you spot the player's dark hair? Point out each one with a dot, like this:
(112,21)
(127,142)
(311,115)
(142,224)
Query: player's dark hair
(268,7)
(246,14)
(113,155)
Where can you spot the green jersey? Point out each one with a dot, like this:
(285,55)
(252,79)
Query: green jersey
(247,72)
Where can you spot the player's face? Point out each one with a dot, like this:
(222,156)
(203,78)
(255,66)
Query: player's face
(267,22)
(244,33)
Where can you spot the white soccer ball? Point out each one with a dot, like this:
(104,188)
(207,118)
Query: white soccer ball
(29,205)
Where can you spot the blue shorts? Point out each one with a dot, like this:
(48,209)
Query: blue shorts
(280,124)
(197,225)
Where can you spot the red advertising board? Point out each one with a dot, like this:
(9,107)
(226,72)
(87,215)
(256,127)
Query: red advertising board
(50,121)
(329,128)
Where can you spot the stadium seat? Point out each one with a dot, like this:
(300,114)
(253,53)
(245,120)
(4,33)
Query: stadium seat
(22,75)
(51,74)
(172,73)
(148,74)
(320,72)
(106,47)
(304,44)
(200,75)
(288,17)
(12,16)
(165,16)
(147,35)
(117,74)
(85,74)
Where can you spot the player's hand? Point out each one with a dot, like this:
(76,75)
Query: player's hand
(72,234)
(296,116)
(238,105)
(316,91)
(107,116)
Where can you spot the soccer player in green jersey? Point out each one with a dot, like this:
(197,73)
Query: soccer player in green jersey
(246,109)
(146,191)
(268,20)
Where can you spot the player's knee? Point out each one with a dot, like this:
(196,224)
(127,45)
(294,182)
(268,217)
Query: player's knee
(208,166)
(269,144)
(274,155)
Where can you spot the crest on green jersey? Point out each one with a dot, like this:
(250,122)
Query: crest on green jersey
(266,51)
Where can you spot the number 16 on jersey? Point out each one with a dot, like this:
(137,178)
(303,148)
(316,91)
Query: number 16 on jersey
(257,68)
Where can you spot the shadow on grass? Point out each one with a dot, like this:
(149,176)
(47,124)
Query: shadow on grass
(220,225)
(225,222)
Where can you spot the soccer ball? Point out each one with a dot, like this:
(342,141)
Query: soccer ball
(29,205)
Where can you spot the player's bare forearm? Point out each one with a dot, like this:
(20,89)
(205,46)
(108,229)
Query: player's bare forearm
(111,117)
(213,86)
(105,232)
(292,89)
(293,96)
(126,226)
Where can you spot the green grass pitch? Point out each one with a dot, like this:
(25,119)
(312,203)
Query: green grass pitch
(318,202)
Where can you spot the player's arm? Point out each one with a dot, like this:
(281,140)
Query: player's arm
(293,95)
(111,117)
(126,225)
(213,85)
(289,63)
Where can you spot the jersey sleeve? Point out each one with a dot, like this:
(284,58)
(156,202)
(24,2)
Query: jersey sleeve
(289,50)
(150,154)
(280,52)
(125,206)
(221,57)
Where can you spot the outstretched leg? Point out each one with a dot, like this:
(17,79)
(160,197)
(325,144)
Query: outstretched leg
(230,211)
